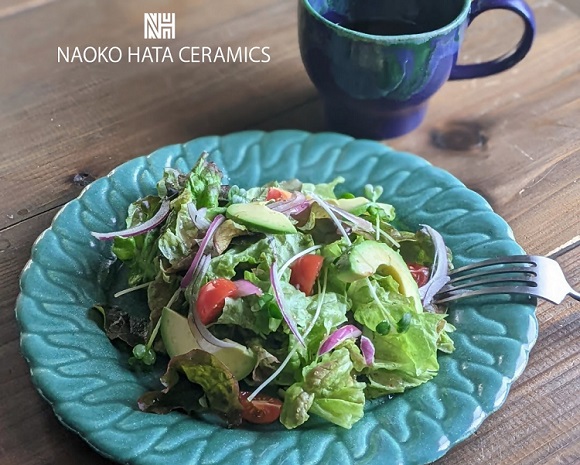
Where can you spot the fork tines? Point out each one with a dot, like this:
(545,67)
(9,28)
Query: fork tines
(518,272)
(530,275)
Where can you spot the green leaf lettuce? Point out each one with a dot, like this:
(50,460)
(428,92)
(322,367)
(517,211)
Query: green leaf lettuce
(202,188)
(404,360)
(139,252)
(329,390)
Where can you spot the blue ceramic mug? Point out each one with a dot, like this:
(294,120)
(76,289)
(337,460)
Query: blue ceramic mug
(377,62)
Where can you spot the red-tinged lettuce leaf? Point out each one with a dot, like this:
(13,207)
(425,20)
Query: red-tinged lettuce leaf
(183,395)
(266,363)
(172,183)
(188,378)
(159,293)
(119,324)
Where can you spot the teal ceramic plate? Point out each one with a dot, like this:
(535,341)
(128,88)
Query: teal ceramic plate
(81,374)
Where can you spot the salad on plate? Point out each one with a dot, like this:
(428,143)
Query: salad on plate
(277,302)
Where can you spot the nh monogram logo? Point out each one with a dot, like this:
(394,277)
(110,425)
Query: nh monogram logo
(159,25)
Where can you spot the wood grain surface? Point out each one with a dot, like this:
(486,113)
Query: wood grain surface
(513,137)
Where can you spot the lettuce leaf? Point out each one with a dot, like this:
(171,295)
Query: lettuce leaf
(139,252)
(297,403)
(356,355)
(243,253)
(266,363)
(182,395)
(329,390)
(249,314)
(247,255)
(204,182)
(159,293)
(202,188)
(224,234)
(407,355)
(207,377)
(246,313)
(445,343)
(417,247)
(237,194)
(332,314)
(388,305)
(172,183)
(179,235)
(323,190)
(119,324)
(407,359)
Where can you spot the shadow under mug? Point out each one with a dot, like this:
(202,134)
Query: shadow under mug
(376,85)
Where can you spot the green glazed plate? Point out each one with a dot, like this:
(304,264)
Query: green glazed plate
(84,378)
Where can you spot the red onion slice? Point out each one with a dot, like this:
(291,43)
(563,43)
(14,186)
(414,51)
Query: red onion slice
(368,350)
(142,228)
(341,334)
(246,288)
(439,276)
(293,206)
(297,209)
(219,219)
(202,270)
(202,334)
(275,280)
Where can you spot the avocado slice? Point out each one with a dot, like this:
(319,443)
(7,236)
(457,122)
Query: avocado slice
(359,205)
(351,205)
(370,257)
(179,339)
(258,217)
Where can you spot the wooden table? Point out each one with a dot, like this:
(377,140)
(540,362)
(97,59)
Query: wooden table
(514,138)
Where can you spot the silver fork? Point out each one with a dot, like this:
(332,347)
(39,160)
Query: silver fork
(526,274)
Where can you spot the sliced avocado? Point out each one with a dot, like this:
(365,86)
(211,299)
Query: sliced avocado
(370,257)
(358,205)
(352,204)
(179,339)
(258,217)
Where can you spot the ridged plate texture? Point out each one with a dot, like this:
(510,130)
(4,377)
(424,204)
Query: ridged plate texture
(83,377)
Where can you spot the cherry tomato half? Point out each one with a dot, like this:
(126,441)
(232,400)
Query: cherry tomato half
(212,298)
(305,271)
(263,409)
(420,273)
(275,193)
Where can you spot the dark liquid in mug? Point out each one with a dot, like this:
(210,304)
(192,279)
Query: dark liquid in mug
(381,27)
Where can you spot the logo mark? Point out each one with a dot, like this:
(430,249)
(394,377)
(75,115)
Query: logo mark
(159,25)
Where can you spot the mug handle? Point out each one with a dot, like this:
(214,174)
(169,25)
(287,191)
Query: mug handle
(521,8)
